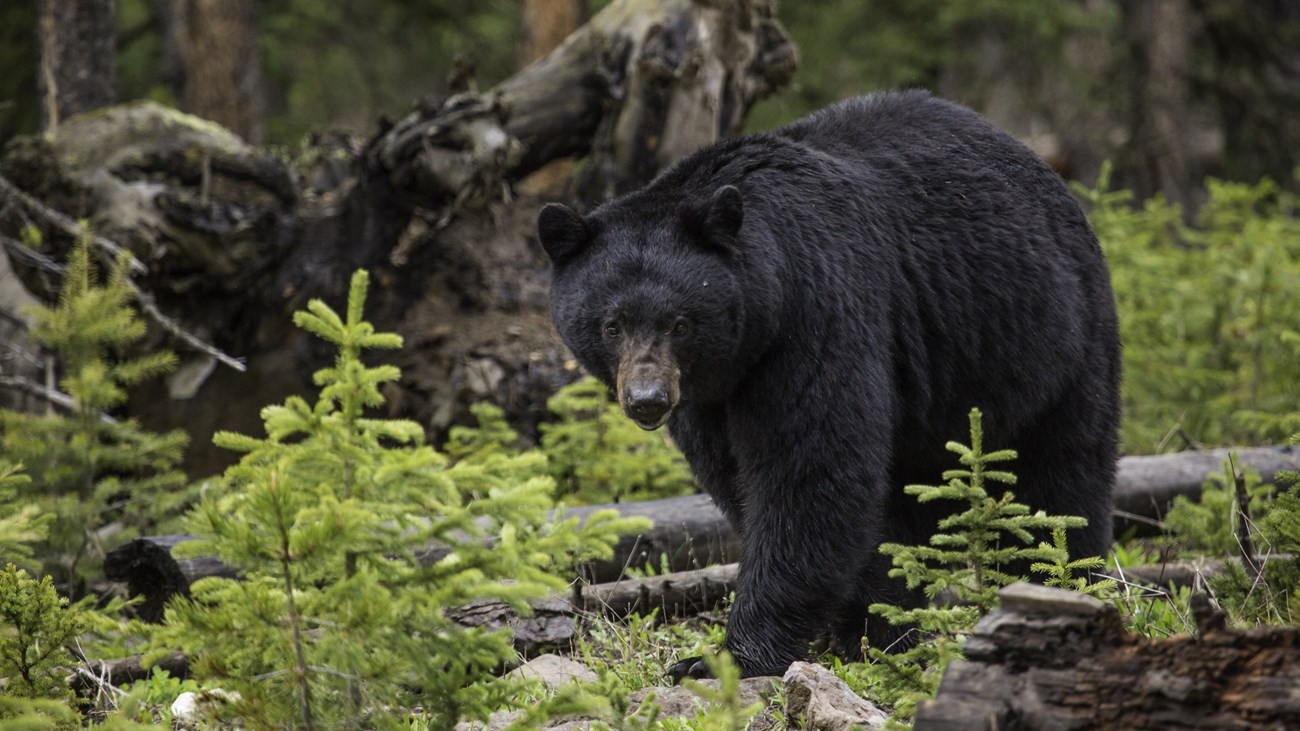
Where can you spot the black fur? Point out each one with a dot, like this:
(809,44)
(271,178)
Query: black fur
(889,263)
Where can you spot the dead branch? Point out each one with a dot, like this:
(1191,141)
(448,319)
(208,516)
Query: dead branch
(69,226)
(1244,540)
(146,301)
(54,396)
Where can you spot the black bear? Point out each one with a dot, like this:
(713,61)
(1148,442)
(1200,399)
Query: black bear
(814,310)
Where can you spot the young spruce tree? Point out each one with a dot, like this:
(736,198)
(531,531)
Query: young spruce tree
(101,479)
(968,559)
(336,622)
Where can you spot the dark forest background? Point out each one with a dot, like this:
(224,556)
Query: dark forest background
(1171,90)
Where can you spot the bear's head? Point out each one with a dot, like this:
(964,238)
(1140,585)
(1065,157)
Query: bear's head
(646,292)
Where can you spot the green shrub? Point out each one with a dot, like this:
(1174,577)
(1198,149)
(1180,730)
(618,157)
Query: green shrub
(37,630)
(594,452)
(1264,591)
(1209,314)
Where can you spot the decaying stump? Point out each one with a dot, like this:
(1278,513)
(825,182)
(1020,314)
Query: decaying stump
(235,237)
(1052,659)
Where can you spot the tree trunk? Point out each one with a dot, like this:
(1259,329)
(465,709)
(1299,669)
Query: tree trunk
(220,69)
(1053,659)
(1158,32)
(545,24)
(78,58)
(1254,51)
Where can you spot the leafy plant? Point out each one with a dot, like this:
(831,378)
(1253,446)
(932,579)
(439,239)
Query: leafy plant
(36,629)
(1209,313)
(149,700)
(336,622)
(1263,585)
(1156,613)
(100,478)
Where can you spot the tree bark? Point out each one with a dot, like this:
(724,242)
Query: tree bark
(220,63)
(1055,659)
(1159,35)
(545,24)
(78,58)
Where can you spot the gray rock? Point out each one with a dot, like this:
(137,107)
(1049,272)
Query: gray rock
(823,702)
(680,702)
(554,671)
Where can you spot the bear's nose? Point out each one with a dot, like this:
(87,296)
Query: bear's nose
(648,405)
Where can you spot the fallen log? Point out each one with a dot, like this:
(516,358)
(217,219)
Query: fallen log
(93,675)
(555,621)
(1053,659)
(690,532)
(1146,486)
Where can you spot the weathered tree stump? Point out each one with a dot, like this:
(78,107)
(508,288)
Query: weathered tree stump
(1053,659)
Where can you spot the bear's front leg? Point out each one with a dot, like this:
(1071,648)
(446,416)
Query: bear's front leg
(812,513)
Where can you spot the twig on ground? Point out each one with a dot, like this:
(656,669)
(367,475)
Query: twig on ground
(1248,559)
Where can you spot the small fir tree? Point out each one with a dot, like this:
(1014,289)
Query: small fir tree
(968,558)
(336,623)
(493,435)
(89,470)
(598,455)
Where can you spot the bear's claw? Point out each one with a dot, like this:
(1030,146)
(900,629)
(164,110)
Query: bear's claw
(691,667)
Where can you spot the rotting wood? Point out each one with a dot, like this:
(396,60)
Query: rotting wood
(1053,659)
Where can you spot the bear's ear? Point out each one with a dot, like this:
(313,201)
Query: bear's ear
(562,231)
(717,223)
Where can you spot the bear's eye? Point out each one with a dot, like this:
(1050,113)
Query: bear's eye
(612,330)
(679,327)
